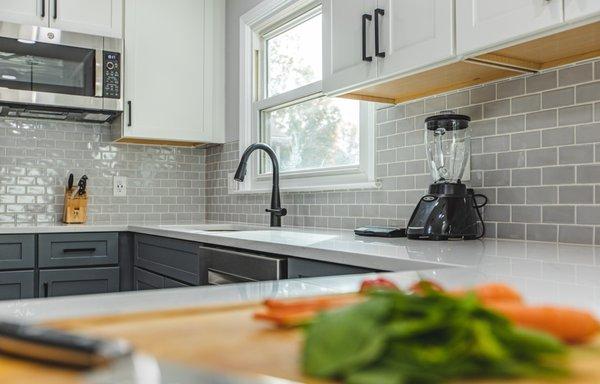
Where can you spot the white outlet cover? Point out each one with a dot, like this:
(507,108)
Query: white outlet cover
(120,186)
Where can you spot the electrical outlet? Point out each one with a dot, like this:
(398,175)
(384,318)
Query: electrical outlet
(120,186)
(232,185)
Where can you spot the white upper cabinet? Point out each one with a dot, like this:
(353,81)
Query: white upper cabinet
(348,43)
(414,34)
(174,63)
(482,24)
(581,9)
(366,41)
(95,17)
(30,12)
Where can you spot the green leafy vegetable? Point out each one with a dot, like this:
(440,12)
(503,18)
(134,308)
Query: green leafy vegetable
(397,338)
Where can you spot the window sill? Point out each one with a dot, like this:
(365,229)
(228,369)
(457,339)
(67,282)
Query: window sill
(310,188)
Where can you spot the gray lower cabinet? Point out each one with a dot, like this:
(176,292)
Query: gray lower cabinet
(17,252)
(15,285)
(300,268)
(170,283)
(144,280)
(176,259)
(78,281)
(78,249)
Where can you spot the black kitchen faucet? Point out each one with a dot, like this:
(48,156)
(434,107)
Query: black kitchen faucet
(276,211)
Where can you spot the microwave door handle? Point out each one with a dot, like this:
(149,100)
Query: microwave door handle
(99,73)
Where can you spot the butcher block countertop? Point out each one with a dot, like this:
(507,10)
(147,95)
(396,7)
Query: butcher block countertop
(223,339)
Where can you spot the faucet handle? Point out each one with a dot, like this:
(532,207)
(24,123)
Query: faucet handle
(277,211)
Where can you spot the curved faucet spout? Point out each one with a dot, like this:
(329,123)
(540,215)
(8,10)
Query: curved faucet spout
(276,211)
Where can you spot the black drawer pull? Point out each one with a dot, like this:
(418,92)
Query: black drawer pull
(365,18)
(79,250)
(129,114)
(378,12)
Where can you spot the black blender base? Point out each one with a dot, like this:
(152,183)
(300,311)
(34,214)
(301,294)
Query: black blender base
(448,212)
(441,237)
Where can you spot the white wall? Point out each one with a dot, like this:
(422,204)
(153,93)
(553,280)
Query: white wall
(235,9)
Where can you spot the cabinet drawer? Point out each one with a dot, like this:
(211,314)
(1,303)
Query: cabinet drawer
(170,283)
(78,249)
(16,285)
(177,259)
(79,281)
(299,268)
(17,251)
(145,280)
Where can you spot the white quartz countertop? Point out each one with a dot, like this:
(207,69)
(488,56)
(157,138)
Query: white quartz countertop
(543,272)
(6,229)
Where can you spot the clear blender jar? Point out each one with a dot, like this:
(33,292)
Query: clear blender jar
(448,145)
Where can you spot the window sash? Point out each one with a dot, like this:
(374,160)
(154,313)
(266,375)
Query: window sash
(287,24)
(262,21)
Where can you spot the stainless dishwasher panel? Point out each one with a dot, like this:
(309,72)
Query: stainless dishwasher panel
(226,266)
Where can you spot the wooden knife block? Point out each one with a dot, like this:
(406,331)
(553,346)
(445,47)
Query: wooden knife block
(75,210)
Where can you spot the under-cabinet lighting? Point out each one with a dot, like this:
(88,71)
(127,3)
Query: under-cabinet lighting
(25,41)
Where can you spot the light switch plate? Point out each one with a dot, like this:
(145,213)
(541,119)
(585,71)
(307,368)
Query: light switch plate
(120,186)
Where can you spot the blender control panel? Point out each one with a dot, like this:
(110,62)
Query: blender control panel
(111,87)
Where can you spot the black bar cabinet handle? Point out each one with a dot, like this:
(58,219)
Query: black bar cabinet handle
(78,250)
(378,12)
(43,13)
(55,16)
(366,17)
(129,114)
(45,289)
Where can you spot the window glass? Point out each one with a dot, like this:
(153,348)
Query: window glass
(294,57)
(318,133)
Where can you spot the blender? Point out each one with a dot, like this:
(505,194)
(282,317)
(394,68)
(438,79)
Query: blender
(450,210)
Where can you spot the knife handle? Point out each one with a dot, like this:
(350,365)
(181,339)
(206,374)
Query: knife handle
(59,347)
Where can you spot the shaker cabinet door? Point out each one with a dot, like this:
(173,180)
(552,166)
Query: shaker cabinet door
(174,76)
(581,9)
(348,59)
(16,285)
(414,34)
(485,23)
(30,12)
(78,281)
(94,17)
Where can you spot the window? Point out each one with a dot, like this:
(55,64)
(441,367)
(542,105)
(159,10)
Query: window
(321,142)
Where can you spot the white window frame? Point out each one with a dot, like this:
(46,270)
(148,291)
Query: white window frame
(267,16)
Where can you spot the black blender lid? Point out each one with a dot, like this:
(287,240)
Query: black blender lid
(447,121)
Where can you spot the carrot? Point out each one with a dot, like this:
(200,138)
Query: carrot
(569,325)
(314,303)
(286,318)
(492,292)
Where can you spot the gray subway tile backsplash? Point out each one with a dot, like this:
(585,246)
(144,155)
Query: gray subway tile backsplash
(37,155)
(535,154)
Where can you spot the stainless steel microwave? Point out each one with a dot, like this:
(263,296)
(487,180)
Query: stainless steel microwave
(49,73)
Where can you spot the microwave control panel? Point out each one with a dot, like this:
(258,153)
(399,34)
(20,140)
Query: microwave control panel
(112,75)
